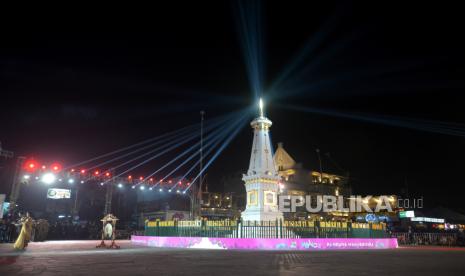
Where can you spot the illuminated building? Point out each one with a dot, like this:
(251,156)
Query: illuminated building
(218,206)
(296,180)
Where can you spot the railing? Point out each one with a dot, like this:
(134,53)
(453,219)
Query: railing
(264,229)
(447,239)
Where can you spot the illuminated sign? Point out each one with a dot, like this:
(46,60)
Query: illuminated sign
(423,219)
(407,214)
(58,193)
(3,206)
(371,218)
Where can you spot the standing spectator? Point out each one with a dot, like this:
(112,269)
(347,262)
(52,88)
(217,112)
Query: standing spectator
(3,231)
(411,239)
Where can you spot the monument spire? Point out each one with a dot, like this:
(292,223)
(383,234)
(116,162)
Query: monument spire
(261,180)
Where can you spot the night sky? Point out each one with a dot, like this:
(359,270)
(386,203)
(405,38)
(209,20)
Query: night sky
(75,86)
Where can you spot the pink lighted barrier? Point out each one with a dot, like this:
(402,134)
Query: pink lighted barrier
(265,244)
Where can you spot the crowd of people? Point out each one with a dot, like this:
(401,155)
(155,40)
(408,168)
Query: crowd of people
(9,230)
(24,228)
(67,230)
(41,230)
(413,237)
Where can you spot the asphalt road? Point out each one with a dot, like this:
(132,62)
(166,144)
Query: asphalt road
(82,258)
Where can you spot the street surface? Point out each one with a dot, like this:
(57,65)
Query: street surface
(82,258)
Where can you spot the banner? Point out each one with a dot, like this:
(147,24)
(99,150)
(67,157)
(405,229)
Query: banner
(2,200)
(266,244)
(54,193)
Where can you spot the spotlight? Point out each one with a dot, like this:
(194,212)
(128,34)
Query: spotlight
(150,188)
(37,178)
(70,181)
(48,178)
(60,179)
(169,191)
(183,192)
(56,167)
(178,191)
(26,176)
(31,165)
(120,185)
(101,183)
(142,188)
(133,187)
(161,190)
(82,181)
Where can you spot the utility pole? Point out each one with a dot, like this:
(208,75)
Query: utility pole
(199,195)
(197,188)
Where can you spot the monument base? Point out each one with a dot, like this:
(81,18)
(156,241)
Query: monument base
(260,215)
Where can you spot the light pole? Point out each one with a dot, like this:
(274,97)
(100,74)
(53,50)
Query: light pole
(196,193)
(16,187)
(321,167)
(109,193)
(75,209)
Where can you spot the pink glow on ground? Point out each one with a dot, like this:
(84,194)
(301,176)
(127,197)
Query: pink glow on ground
(265,244)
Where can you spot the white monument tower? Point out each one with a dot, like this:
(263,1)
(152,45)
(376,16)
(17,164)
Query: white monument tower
(261,180)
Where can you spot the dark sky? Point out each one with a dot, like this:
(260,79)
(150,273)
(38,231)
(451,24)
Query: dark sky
(75,85)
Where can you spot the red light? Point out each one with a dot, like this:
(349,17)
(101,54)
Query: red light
(83,171)
(141,178)
(72,170)
(179,182)
(56,167)
(170,181)
(31,165)
(151,179)
(43,167)
(107,174)
(96,172)
(130,177)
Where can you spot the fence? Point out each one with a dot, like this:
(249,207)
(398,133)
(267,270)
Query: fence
(447,239)
(264,229)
